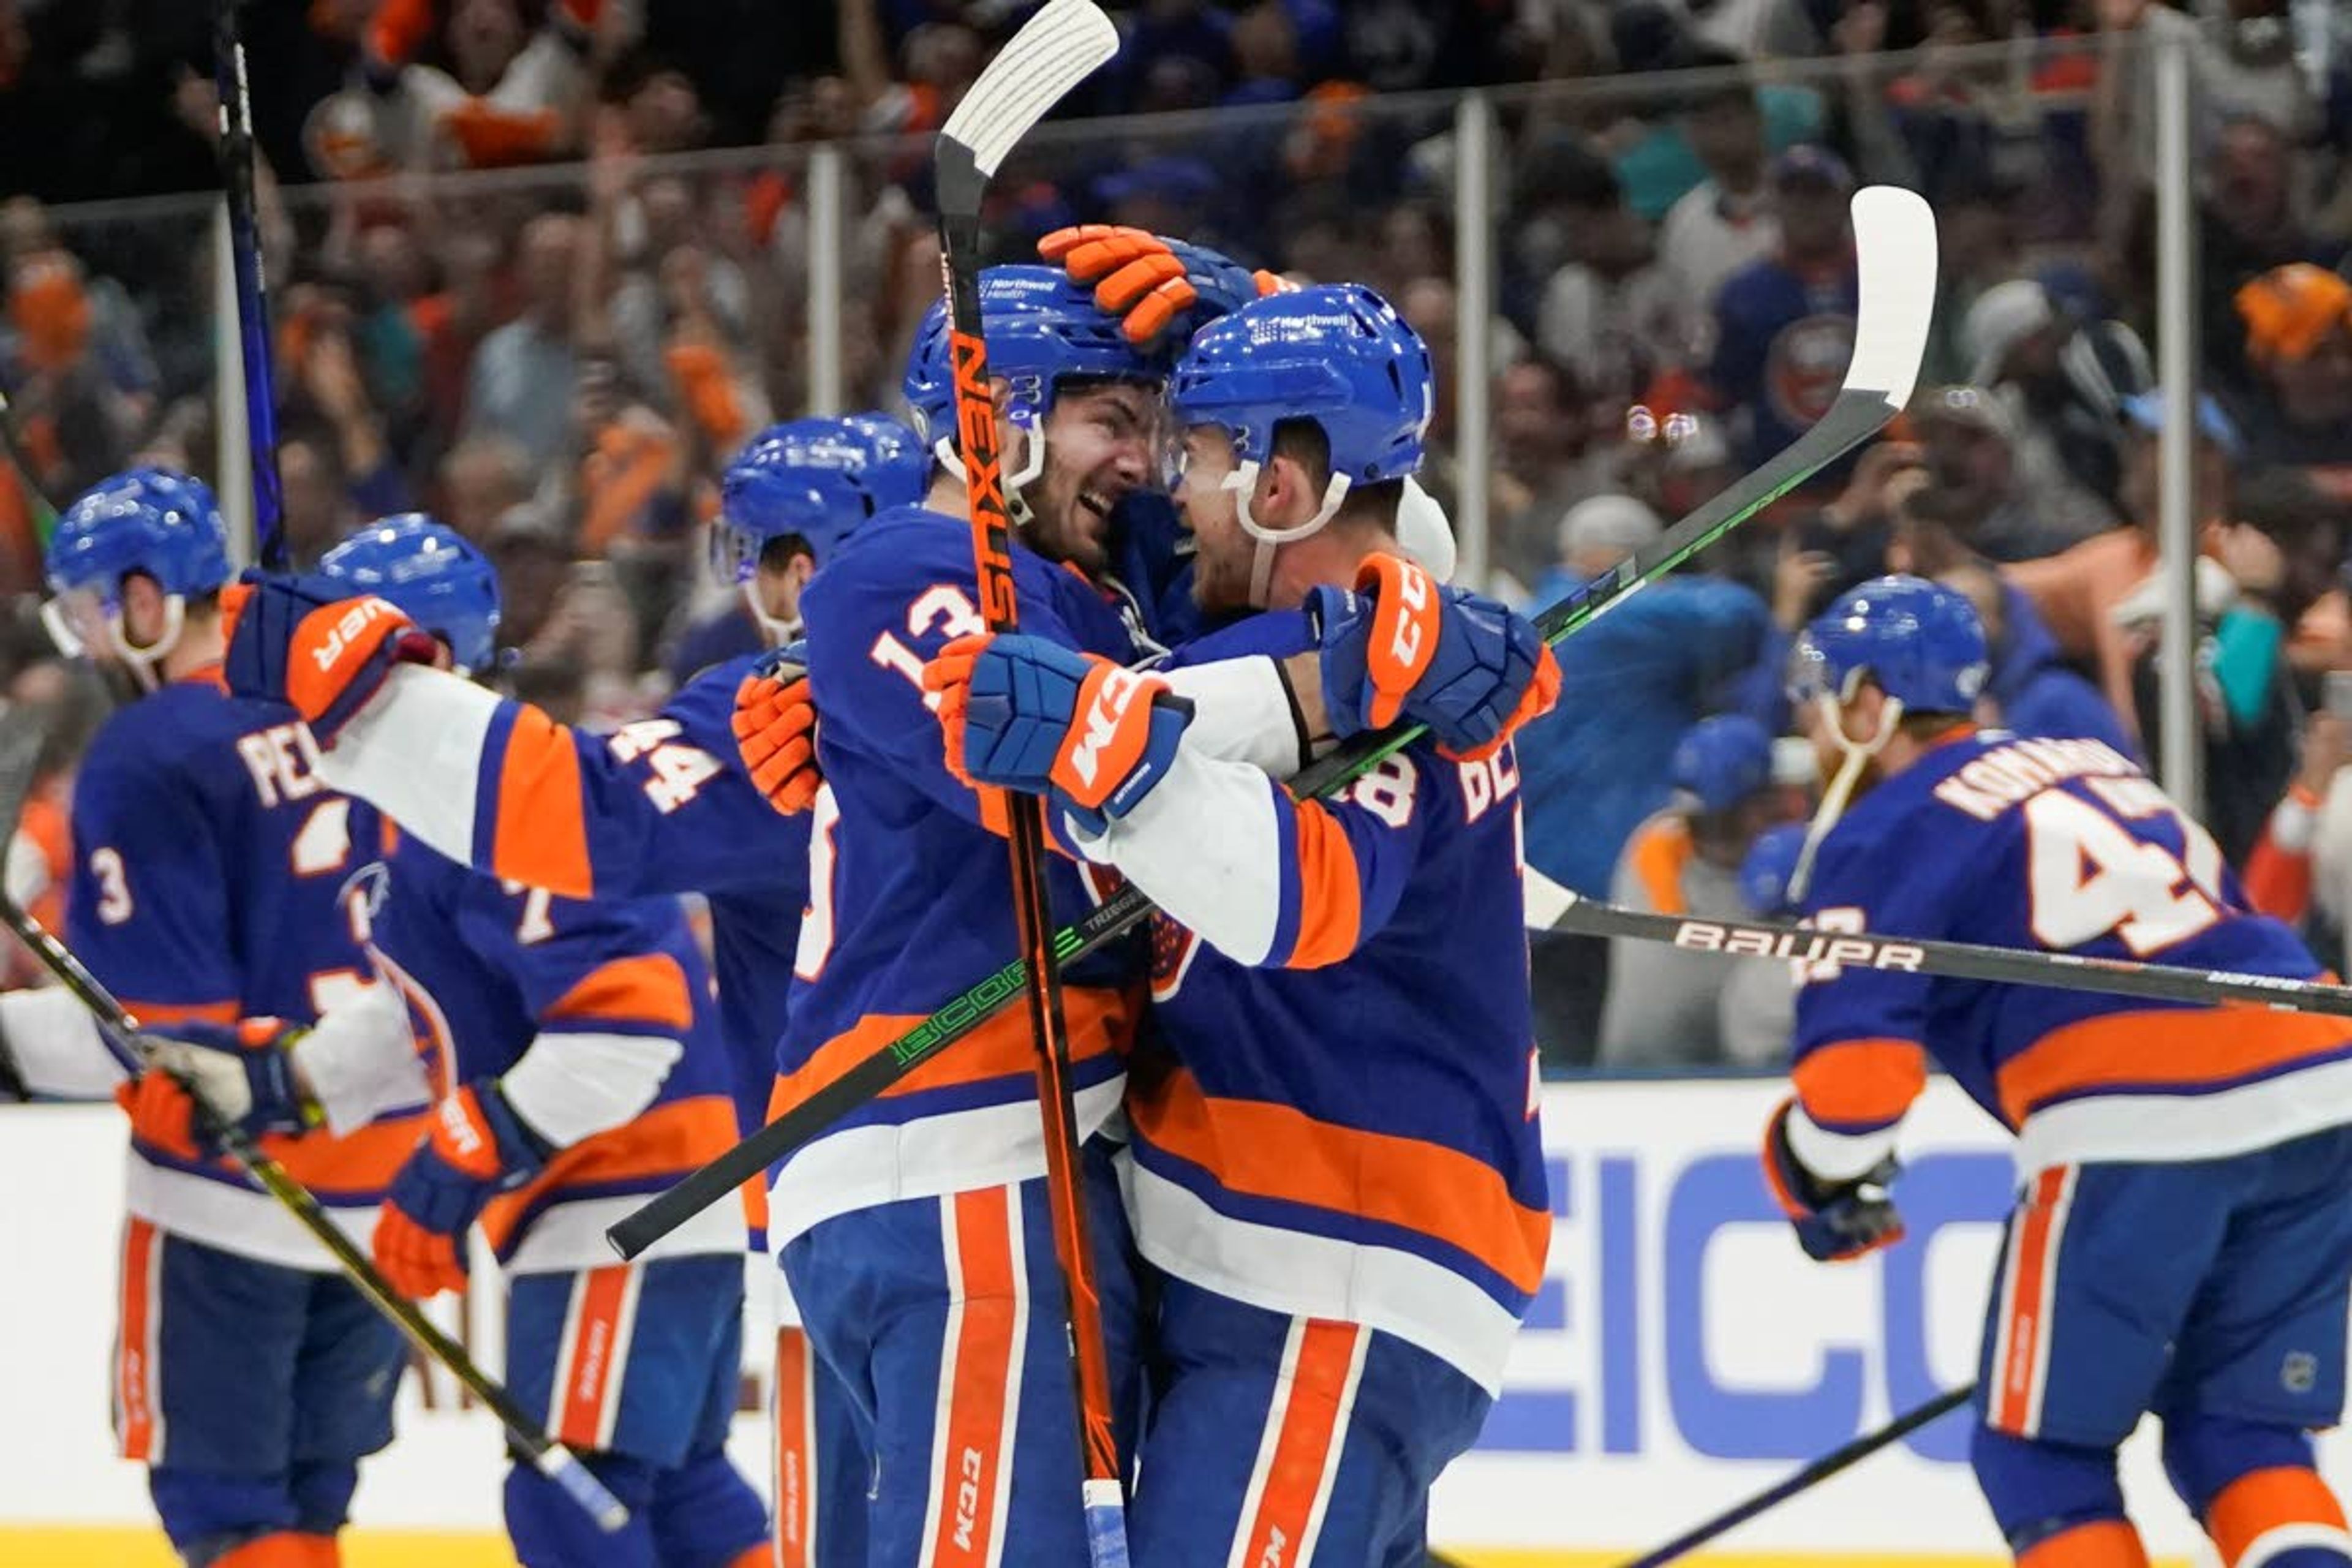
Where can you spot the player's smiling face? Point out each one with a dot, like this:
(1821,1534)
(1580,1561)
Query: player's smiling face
(1100,442)
(1223,552)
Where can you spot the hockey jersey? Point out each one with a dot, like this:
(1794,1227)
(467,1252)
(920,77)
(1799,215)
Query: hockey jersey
(210,860)
(910,892)
(2061,844)
(662,805)
(590,992)
(1334,1113)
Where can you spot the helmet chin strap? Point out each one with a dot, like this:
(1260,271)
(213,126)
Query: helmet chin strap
(1840,795)
(146,663)
(1016,484)
(777,632)
(1242,481)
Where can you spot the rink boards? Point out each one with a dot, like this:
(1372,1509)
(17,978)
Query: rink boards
(1682,1354)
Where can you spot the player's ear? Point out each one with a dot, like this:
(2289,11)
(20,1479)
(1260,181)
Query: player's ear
(1283,498)
(142,609)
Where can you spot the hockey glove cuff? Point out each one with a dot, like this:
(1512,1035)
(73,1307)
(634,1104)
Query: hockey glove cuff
(242,1073)
(1401,645)
(476,1148)
(307,642)
(1032,715)
(1835,1221)
(775,729)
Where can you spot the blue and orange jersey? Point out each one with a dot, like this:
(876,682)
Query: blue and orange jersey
(1335,1113)
(209,868)
(662,805)
(2063,844)
(910,889)
(611,1002)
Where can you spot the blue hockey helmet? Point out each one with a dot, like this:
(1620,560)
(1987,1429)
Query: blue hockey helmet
(816,478)
(1720,761)
(1917,641)
(161,524)
(1336,354)
(437,576)
(1041,329)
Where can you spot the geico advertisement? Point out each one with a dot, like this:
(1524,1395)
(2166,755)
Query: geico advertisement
(1682,1355)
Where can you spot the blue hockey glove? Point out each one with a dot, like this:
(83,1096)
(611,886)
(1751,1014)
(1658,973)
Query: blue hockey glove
(1401,644)
(1032,715)
(1149,282)
(307,642)
(1835,1221)
(478,1148)
(243,1072)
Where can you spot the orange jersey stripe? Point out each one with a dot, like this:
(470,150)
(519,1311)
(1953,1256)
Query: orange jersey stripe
(2171,1049)
(668,1139)
(1100,1021)
(156,1015)
(649,988)
(1331,892)
(1314,1430)
(540,837)
(1865,1083)
(1270,1150)
(984,1338)
(136,1375)
(2103,1543)
(2262,1500)
(594,1365)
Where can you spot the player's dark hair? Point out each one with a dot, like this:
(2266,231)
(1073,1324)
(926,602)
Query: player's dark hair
(779,552)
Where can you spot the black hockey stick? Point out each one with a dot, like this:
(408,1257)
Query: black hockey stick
(20,745)
(1052,52)
(1812,1475)
(1895,234)
(252,284)
(1565,911)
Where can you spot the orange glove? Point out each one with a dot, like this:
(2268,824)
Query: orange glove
(775,733)
(1146,281)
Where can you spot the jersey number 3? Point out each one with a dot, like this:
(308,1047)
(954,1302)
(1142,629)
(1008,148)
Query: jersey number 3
(2090,876)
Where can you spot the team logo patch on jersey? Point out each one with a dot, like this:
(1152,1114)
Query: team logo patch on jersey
(1172,950)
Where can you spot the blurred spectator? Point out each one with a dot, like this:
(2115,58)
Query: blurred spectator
(1612,311)
(471,87)
(2000,488)
(2080,591)
(1660,160)
(1670,1009)
(2064,384)
(531,557)
(1784,324)
(2300,869)
(1591,538)
(1844,544)
(2247,225)
(1726,221)
(1544,462)
(2297,409)
(481,479)
(2279,546)
(523,374)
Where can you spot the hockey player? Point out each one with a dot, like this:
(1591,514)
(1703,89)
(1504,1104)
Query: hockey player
(1336,1166)
(576,1054)
(209,860)
(2182,1240)
(666,805)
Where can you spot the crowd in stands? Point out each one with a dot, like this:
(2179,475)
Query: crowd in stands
(558,337)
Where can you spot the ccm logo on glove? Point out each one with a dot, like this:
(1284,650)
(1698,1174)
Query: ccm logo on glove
(1412,626)
(1114,691)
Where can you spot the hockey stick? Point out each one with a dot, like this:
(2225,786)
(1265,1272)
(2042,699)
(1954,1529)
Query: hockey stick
(1567,911)
(1895,234)
(1057,48)
(252,285)
(20,743)
(1812,1475)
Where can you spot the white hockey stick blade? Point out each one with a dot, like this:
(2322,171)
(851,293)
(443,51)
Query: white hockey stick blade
(1059,47)
(1895,241)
